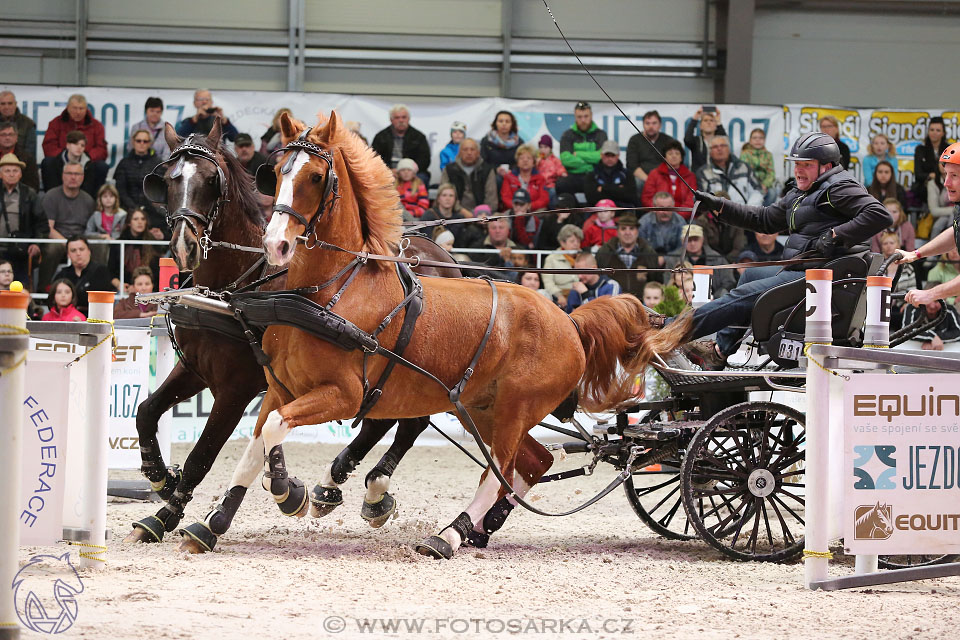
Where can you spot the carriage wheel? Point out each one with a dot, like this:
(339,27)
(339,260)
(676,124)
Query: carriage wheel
(740,477)
(906,562)
(655,496)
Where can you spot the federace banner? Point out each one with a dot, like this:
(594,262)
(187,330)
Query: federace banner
(252,111)
(902,464)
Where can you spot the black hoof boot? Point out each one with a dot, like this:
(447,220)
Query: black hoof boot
(197,538)
(323,500)
(477,539)
(435,547)
(378,513)
(168,485)
(152,528)
(295,502)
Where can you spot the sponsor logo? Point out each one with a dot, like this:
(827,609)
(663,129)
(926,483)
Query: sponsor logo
(884,469)
(892,406)
(45,594)
(873,522)
(809,121)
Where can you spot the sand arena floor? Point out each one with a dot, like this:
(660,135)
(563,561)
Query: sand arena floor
(597,574)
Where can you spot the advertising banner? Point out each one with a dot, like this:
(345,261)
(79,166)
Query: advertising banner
(129,386)
(902,464)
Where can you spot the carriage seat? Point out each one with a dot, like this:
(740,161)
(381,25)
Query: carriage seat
(779,314)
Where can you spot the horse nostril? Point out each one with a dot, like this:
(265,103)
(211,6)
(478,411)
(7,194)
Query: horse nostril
(283,247)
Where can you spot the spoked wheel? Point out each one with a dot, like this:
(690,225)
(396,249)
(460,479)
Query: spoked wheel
(655,496)
(742,479)
(906,562)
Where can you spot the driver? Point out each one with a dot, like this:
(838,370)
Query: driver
(948,239)
(827,211)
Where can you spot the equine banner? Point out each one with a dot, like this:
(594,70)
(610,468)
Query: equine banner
(252,112)
(44,448)
(906,130)
(902,464)
(129,386)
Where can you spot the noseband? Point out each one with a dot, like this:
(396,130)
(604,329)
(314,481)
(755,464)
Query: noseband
(155,188)
(267,180)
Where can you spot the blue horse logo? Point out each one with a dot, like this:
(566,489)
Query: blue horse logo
(45,593)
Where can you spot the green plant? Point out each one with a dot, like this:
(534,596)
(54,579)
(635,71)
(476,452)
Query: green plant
(672,304)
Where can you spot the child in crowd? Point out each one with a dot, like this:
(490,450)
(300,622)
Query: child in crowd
(413,193)
(448,154)
(61,300)
(755,155)
(901,226)
(128,307)
(107,221)
(550,167)
(880,150)
(652,294)
(600,227)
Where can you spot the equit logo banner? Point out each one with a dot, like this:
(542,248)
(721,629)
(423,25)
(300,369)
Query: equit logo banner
(45,594)
(874,468)
(873,522)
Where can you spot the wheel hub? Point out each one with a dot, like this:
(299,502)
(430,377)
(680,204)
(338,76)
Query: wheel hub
(761,483)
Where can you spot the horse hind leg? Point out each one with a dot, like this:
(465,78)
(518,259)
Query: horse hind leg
(378,505)
(326,495)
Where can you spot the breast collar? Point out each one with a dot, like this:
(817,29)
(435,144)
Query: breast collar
(267,183)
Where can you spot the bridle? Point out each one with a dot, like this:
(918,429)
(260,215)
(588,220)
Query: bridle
(267,180)
(155,188)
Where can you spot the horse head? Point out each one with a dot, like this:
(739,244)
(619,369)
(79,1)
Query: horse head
(303,182)
(192,186)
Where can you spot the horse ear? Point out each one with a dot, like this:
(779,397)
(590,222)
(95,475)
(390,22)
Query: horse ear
(170,134)
(287,131)
(332,124)
(213,138)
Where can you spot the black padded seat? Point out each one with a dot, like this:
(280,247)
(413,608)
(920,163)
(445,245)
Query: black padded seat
(775,306)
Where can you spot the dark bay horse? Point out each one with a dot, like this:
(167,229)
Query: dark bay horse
(212,183)
(522,355)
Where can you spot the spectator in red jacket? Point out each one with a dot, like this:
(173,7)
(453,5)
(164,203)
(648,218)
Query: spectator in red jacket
(413,193)
(600,227)
(525,228)
(77,117)
(525,176)
(663,178)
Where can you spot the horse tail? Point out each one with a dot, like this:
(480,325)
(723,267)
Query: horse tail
(619,344)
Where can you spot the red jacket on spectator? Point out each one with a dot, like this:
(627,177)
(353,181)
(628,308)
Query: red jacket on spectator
(55,139)
(664,179)
(521,235)
(551,168)
(67,314)
(415,199)
(536,187)
(595,235)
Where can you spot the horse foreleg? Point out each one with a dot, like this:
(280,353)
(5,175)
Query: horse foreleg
(533,460)
(202,536)
(326,495)
(378,505)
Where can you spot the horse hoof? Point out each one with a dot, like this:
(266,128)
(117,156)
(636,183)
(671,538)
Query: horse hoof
(294,503)
(150,529)
(435,547)
(378,513)
(197,538)
(477,539)
(323,500)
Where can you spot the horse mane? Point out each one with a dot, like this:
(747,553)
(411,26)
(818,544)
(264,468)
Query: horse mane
(240,189)
(374,187)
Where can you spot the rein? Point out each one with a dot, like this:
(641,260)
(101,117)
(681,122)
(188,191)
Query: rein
(442,222)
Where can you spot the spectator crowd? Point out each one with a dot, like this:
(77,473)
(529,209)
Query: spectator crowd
(70,195)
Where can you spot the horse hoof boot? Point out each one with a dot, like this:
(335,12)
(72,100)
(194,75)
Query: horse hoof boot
(197,538)
(378,513)
(294,502)
(150,529)
(477,539)
(435,547)
(323,500)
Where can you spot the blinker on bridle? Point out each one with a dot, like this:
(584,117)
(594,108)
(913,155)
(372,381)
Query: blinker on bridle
(267,179)
(155,188)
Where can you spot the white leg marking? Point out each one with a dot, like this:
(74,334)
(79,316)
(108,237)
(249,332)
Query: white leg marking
(250,464)
(483,499)
(327,479)
(273,432)
(377,488)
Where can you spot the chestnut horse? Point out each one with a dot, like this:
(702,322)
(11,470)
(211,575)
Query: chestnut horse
(334,189)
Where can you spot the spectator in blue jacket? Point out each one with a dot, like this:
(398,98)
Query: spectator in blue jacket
(591,285)
(448,154)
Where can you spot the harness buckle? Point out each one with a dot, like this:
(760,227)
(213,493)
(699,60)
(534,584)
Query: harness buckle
(205,243)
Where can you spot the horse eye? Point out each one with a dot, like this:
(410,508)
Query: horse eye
(316,178)
(211,181)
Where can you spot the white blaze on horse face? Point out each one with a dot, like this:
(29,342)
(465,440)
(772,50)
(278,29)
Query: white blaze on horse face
(183,254)
(188,171)
(276,232)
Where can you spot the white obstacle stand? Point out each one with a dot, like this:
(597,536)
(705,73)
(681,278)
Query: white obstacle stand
(14,340)
(828,368)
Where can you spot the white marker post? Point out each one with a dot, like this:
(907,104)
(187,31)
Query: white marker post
(818,330)
(13,347)
(876,332)
(701,285)
(97,436)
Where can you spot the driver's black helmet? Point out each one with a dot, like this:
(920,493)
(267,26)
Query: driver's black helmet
(815,146)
